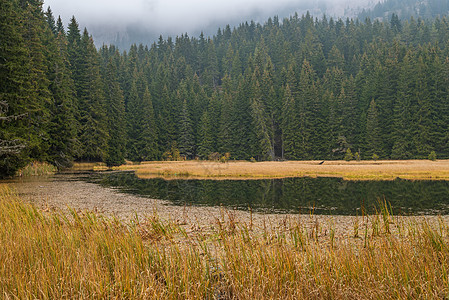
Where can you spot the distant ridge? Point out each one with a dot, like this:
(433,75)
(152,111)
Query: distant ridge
(405,9)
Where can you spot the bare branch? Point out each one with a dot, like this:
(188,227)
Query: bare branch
(13,118)
(11,147)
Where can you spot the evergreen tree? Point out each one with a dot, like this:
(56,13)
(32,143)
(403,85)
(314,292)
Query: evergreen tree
(186,135)
(373,141)
(115,108)
(291,140)
(63,142)
(92,111)
(142,134)
(265,150)
(14,65)
(206,141)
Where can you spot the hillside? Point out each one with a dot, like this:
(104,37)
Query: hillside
(297,88)
(405,9)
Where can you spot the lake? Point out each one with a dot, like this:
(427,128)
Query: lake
(322,195)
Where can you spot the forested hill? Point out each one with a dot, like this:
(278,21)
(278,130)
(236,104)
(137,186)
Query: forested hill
(407,8)
(297,88)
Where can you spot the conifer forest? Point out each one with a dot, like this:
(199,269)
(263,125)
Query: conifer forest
(301,88)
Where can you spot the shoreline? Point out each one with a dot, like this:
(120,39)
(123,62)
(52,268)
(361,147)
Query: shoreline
(55,194)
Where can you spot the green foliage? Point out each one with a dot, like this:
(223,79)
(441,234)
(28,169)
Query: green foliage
(173,154)
(206,141)
(186,134)
(297,89)
(115,105)
(432,156)
(225,158)
(142,137)
(375,157)
(349,156)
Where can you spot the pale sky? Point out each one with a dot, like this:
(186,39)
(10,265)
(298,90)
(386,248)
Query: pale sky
(174,17)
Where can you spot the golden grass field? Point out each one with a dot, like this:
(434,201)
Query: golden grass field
(353,170)
(53,255)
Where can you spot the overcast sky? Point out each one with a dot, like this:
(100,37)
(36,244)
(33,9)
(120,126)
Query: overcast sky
(174,17)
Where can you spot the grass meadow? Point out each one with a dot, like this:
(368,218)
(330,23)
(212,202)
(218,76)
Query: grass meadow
(55,255)
(353,170)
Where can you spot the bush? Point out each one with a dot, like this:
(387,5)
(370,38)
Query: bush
(433,156)
(375,157)
(348,155)
(214,156)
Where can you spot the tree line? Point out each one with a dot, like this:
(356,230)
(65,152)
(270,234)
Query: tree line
(299,88)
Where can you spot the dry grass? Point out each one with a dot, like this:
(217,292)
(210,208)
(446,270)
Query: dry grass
(36,168)
(48,255)
(86,166)
(363,170)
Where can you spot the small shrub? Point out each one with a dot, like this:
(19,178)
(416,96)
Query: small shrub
(225,157)
(214,156)
(375,157)
(172,155)
(348,155)
(252,159)
(357,156)
(433,156)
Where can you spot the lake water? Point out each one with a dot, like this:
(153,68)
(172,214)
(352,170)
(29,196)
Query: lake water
(289,195)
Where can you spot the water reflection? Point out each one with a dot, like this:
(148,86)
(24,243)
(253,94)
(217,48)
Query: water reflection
(322,195)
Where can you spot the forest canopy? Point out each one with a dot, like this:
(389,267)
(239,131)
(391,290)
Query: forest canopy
(300,88)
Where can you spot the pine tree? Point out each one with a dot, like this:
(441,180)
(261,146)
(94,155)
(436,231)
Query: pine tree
(63,142)
(403,112)
(39,97)
(92,111)
(142,131)
(373,140)
(265,150)
(60,26)
(291,140)
(225,134)
(206,141)
(186,136)
(115,107)
(14,65)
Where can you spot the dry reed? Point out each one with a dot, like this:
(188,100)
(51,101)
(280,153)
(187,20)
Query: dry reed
(354,170)
(83,255)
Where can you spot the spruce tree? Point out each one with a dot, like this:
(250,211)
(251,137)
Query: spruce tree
(92,110)
(14,66)
(62,129)
(373,139)
(206,140)
(265,150)
(291,140)
(115,108)
(186,136)
(142,132)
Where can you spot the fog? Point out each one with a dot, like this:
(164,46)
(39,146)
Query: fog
(107,18)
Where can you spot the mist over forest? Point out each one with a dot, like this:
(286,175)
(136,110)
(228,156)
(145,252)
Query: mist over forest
(297,88)
(143,21)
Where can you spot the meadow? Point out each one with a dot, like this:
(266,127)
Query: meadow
(60,255)
(353,170)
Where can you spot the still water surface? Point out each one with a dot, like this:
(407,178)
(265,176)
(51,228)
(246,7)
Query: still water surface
(289,195)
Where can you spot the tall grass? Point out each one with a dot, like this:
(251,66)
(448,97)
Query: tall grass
(36,169)
(363,170)
(82,255)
